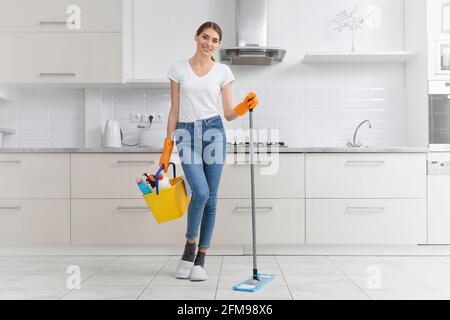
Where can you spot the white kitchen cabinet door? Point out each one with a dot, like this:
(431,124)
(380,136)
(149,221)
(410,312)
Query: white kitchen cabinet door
(278,221)
(59,57)
(361,175)
(366,221)
(106,175)
(438,17)
(438,209)
(34,175)
(121,222)
(52,16)
(163,32)
(35,222)
(279,175)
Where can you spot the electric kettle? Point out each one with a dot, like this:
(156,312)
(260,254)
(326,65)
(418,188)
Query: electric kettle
(112,136)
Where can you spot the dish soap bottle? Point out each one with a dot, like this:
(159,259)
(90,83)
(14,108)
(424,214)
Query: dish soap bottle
(143,186)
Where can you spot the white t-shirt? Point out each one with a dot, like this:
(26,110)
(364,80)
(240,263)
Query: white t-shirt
(199,96)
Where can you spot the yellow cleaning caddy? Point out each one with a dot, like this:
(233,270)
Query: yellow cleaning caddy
(169,203)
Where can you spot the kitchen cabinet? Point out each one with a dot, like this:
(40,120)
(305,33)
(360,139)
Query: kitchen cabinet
(34,199)
(438,198)
(317,198)
(363,198)
(279,193)
(34,176)
(106,175)
(278,221)
(121,222)
(52,15)
(100,175)
(107,207)
(438,213)
(60,57)
(276,176)
(366,221)
(34,221)
(360,175)
(438,17)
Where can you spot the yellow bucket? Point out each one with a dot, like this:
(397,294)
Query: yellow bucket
(170,203)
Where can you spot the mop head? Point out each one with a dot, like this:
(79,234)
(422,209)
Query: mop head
(252,285)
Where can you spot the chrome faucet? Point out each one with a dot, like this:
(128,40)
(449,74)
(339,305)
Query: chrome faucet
(358,144)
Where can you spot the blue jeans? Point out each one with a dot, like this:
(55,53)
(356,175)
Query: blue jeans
(202,149)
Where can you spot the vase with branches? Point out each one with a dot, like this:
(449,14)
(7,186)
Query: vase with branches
(345,19)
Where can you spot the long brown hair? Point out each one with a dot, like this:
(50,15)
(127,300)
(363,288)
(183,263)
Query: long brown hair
(208,25)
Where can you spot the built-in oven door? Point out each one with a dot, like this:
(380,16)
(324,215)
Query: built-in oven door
(439,122)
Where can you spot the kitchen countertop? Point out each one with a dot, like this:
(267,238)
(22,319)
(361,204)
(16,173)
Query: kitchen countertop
(230,149)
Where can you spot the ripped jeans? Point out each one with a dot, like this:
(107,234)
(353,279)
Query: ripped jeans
(202,150)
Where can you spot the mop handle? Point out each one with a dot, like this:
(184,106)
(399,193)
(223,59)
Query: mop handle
(252,176)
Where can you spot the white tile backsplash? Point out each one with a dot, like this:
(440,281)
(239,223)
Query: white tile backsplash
(312,117)
(44,118)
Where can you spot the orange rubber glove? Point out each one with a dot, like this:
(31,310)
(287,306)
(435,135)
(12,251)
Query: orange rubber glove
(249,102)
(165,157)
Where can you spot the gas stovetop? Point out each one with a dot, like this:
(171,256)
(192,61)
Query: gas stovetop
(258,144)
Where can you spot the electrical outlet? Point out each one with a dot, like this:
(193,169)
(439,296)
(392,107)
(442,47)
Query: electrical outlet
(135,117)
(144,118)
(157,117)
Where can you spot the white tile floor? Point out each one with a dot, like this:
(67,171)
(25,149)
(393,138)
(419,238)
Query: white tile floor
(297,277)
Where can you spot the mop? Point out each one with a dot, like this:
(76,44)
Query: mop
(258,280)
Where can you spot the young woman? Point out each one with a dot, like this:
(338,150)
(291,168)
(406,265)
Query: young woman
(196,86)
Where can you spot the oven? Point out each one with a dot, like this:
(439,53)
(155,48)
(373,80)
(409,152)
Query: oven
(439,115)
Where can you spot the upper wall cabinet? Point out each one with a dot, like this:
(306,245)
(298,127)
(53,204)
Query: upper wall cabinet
(52,15)
(158,33)
(439,17)
(61,58)
(61,41)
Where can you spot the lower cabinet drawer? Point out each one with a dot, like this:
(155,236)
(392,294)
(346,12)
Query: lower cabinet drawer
(278,221)
(34,175)
(278,175)
(108,175)
(121,222)
(35,222)
(366,221)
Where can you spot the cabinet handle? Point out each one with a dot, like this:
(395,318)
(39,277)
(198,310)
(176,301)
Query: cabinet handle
(364,210)
(132,208)
(261,164)
(57,74)
(246,209)
(373,163)
(42,23)
(11,161)
(135,162)
(11,208)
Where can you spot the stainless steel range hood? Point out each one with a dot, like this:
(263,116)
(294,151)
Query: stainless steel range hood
(251,36)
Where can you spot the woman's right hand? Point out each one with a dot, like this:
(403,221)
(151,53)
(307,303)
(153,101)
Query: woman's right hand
(165,156)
